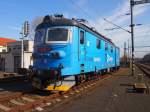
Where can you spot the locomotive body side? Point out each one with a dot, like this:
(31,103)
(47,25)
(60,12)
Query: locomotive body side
(96,54)
(64,54)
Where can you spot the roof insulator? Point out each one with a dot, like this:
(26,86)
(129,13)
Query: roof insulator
(46,19)
(58,15)
(93,28)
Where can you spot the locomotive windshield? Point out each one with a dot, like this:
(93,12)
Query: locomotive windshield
(57,35)
(39,36)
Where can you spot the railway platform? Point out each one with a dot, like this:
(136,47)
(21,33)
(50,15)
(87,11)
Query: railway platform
(115,94)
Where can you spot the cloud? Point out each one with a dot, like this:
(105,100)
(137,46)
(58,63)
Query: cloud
(118,17)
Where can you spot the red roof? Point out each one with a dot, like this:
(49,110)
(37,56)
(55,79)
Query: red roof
(5,41)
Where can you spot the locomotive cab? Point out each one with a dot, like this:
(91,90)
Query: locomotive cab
(51,51)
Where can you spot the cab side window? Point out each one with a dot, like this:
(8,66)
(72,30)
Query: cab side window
(98,44)
(106,46)
(81,37)
(111,49)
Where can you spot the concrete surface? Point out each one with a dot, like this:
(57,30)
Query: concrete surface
(113,95)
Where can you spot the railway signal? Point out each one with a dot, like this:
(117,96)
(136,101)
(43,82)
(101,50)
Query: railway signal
(26,29)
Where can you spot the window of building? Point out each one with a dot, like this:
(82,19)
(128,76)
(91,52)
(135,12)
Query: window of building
(19,47)
(3,50)
(25,48)
(81,37)
(98,44)
(9,49)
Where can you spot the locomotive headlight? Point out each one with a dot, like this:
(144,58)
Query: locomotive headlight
(55,55)
(58,54)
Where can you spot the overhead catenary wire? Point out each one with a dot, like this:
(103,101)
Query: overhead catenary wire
(116,25)
(141,51)
(141,46)
(140,36)
(84,12)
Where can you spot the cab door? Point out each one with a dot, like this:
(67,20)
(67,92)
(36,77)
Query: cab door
(82,49)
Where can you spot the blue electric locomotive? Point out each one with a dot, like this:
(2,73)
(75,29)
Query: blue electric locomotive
(66,51)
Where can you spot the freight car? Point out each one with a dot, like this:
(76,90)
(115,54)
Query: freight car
(67,52)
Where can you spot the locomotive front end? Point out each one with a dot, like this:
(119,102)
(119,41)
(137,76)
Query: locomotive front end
(51,54)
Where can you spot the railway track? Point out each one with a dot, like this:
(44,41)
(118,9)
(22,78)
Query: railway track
(145,69)
(13,79)
(35,100)
(10,77)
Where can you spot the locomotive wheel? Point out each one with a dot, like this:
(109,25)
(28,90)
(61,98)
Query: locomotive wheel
(91,76)
(100,73)
(86,77)
(77,79)
(83,78)
(36,83)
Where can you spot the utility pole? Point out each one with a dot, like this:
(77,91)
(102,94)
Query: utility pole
(132,36)
(132,4)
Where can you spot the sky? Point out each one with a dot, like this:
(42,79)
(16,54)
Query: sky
(15,12)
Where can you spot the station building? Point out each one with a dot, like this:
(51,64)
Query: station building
(11,59)
(4,42)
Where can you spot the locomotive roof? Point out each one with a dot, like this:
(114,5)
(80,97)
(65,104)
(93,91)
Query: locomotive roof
(61,21)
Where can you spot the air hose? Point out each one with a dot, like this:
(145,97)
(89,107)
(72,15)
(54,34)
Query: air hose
(57,80)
